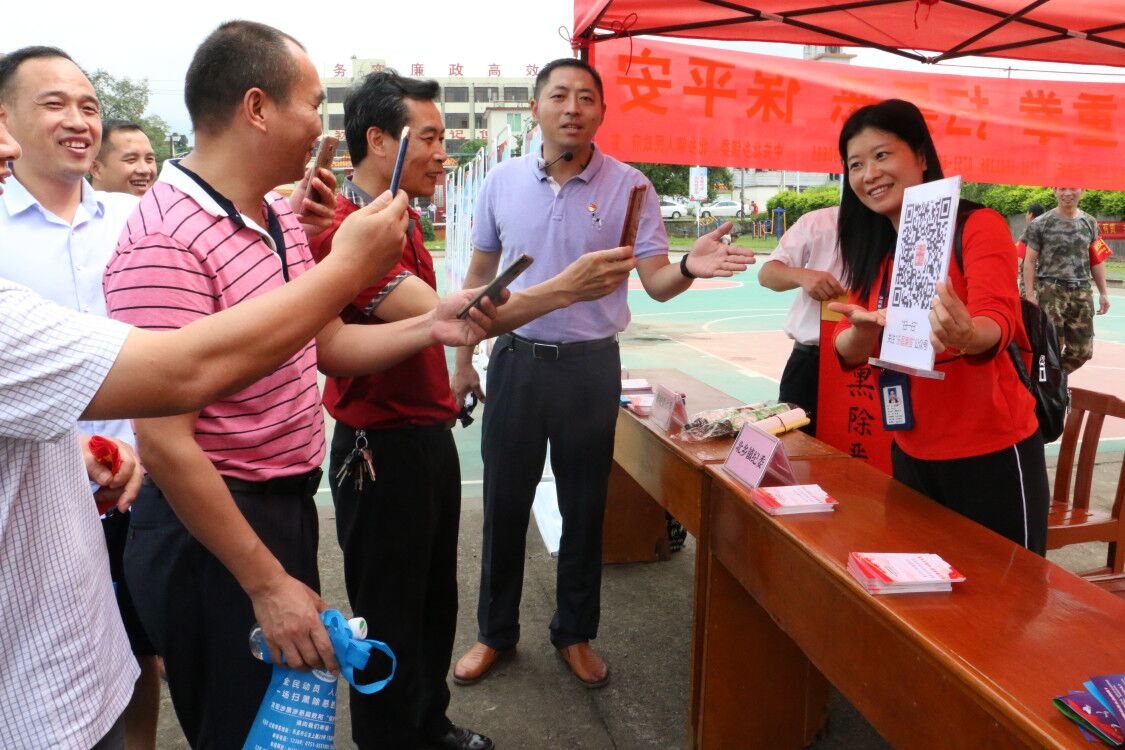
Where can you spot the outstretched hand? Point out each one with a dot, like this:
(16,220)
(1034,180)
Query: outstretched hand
(450,330)
(859,316)
(710,257)
(595,274)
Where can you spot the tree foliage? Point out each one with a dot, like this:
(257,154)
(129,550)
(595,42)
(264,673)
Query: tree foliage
(126,99)
(428,234)
(796,204)
(469,150)
(1011,200)
(1008,200)
(672,179)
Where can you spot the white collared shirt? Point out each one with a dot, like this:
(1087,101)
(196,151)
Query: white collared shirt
(64,261)
(66,669)
(809,243)
(61,261)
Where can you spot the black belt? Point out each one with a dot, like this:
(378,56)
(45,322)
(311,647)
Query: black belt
(444,426)
(543,350)
(1066,283)
(298,484)
(806,348)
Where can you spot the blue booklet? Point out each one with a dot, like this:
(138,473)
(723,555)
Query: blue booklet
(1099,710)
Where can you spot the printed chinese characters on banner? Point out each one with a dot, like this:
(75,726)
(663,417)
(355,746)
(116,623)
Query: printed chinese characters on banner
(683,104)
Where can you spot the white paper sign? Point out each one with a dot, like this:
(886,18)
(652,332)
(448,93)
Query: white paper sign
(753,454)
(697,183)
(925,242)
(669,409)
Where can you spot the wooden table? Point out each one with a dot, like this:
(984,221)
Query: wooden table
(778,616)
(655,472)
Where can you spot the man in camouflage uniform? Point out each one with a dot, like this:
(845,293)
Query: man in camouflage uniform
(1063,252)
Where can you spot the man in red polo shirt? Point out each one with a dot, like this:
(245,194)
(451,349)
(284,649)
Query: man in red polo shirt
(398,529)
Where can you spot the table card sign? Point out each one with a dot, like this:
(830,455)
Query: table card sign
(753,454)
(669,409)
(925,241)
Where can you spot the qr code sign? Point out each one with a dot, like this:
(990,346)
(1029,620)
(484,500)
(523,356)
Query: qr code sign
(922,235)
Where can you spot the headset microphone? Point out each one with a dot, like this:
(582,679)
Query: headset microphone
(545,165)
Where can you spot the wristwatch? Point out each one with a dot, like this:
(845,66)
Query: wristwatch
(684,269)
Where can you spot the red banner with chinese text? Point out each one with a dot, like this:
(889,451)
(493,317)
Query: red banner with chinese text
(682,104)
(848,416)
(1111,230)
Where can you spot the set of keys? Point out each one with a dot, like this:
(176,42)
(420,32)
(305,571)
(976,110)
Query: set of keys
(359,462)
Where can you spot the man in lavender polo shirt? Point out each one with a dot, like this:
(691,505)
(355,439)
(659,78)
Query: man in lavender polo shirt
(556,378)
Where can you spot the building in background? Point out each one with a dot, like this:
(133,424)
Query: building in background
(474,103)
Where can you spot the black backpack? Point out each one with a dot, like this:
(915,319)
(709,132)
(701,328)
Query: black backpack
(1047,379)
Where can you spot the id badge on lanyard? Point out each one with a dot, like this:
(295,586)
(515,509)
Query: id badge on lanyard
(894,389)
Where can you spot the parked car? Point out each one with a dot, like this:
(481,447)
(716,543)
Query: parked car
(672,209)
(725,209)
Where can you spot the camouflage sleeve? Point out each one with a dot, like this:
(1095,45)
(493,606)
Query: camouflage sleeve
(1033,237)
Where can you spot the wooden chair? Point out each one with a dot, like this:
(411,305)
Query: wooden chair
(1071,521)
(1111,583)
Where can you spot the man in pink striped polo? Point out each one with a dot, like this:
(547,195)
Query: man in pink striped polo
(225,527)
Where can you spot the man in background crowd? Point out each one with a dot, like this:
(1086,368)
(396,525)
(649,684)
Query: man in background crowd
(126,162)
(1063,253)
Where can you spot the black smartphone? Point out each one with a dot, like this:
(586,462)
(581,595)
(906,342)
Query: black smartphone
(403,140)
(499,284)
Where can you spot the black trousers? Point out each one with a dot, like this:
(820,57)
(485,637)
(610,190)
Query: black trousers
(116,530)
(197,615)
(799,381)
(1005,491)
(570,403)
(114,739)
(399,537)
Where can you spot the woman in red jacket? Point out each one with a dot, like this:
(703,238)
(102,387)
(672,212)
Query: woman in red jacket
(974,445)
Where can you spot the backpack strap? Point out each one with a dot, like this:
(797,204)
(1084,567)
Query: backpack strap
(964,208)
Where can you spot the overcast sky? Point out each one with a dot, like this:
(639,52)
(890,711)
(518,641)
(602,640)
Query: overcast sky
(159,43)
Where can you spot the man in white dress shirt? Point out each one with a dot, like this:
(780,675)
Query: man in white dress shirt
(52,110)
(808,256)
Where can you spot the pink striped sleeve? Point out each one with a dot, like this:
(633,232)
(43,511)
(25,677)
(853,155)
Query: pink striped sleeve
(153,281)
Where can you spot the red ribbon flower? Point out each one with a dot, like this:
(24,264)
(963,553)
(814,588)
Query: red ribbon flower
(105,452)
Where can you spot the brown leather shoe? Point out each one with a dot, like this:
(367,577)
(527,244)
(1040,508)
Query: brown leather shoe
(586,664)
(475,665)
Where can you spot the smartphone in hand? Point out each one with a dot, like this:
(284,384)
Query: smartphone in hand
(403,141)
(499,284)
(325,153)
(633,215)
